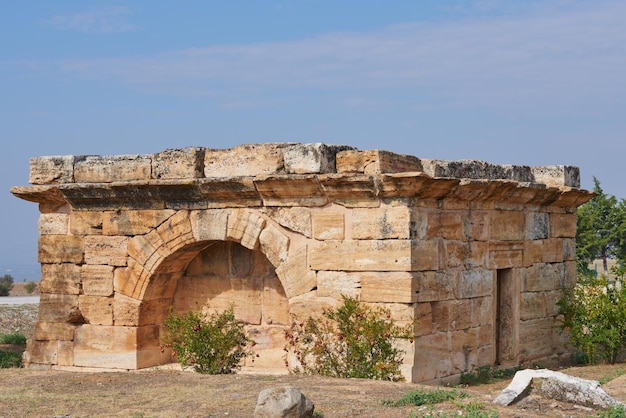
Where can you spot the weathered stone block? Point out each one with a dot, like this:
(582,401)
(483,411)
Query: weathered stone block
(311,158)
(60,279)
(464,351)
(336,284)
(533,305)
(210,224)
(59,308)
(295,275)
(482,312)
(451,315)
(378,255)
(53,224)
(557,175)
(562,225)
(477,225)
(133,222)
(176,230)
(110,169)
(45,331)
(293,218)
(328,225)
(398,287)
(508,226)
(97,280)
(148,250)
(275,304)
(97,310)
(245,228)
(305,190)
(542,277)
(423,319)
(535,338)
(52,170)
(428,347)
(106,250)
(85,223)
(61,249)
(182,163)
(381,223)
(475,283)
(552,250)
(245,160)
(436,285)
(41,352)
(274,244)
(448,225)
(375,162)
(115,347)
(455,253)
(537,225)
(65,353)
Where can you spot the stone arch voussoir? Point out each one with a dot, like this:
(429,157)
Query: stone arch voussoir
(187,230)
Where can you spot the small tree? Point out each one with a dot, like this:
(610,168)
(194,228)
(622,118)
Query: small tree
(594,312)
(213,344)
(30,287)
(6,284)
(601,229)
(350,341)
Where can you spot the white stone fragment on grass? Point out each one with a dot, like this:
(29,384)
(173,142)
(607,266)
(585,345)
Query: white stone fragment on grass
(555,385)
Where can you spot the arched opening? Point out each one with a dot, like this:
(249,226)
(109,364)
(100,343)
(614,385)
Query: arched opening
(226,273)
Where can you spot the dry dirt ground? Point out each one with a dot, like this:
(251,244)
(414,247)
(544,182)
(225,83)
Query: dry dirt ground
(168,393)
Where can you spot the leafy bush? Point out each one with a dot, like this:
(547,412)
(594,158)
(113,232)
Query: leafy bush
(213,344)
(350,341)
(9,359)
(422,396)
(594,312)
(6,284)
(486,374)
(30,287)
(14,338)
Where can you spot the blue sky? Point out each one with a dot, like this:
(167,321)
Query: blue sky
(522,82)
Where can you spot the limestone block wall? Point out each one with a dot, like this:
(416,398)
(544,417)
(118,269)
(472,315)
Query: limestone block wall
(474,254)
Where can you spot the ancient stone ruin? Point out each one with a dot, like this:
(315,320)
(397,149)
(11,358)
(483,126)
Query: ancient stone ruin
(474,253)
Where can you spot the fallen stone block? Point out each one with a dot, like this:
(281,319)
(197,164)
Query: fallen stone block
(558,386)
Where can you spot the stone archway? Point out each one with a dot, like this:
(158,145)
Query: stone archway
(173,252)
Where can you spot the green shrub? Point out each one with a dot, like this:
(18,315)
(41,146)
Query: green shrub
(594,312)
(213,344)
(14,338)
(6,284)
(350,341)
(422,396)
(30,287)
(9,359)
(486,374)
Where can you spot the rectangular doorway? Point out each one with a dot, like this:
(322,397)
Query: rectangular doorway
(505,317)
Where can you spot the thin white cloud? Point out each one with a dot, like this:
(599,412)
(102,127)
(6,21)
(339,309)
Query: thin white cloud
(560,57)
(108,20)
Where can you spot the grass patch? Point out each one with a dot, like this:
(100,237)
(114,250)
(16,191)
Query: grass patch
(614,375)
(10,360)
(614,411)
(421,396)
(486,374)
(14,338)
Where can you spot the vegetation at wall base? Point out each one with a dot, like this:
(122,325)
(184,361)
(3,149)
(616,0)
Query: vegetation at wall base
(214,344)
(351,341)
(9,359)
(486,374)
